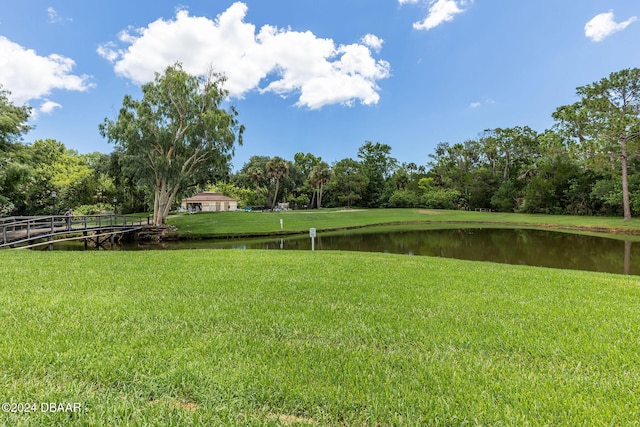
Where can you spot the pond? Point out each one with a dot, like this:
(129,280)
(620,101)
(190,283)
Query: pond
(534,247)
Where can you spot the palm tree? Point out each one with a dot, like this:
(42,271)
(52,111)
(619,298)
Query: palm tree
(277,169)
(320,175)
(256,176)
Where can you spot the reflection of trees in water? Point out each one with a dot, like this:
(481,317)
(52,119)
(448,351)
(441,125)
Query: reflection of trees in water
(518,246)
(512,246)
(550,249)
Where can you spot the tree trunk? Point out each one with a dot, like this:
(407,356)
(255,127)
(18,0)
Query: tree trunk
(275,195)
(156,205)
(625,183)
(161,203)
(320,195)
(164,197)
(505,173)
(166,202)
(313,203)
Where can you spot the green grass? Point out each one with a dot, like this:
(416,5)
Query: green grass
(326,338)
(244,224)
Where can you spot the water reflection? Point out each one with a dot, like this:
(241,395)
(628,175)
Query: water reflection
(510,246)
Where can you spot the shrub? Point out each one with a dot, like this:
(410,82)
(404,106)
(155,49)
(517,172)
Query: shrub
(96,209)
(403,199)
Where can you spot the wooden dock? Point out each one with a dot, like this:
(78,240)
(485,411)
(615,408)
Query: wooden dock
(35,231)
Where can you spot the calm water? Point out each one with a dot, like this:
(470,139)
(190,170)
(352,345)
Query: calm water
(510,246)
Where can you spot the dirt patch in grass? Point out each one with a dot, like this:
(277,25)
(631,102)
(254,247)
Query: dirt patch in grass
(289,420)
(428,212)
(187,406)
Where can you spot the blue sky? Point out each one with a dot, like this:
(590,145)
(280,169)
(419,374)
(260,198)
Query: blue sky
(319,76)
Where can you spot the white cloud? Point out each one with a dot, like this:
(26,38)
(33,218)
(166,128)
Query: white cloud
(373,42)
(603,25)
(55,18)
(106,50)
(29,76)
(53,15)
(440,11)
(485,103)
(284,61)
(48,106)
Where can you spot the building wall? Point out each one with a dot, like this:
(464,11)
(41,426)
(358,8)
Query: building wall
(213,206)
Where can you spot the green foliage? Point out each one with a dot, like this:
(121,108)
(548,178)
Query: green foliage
(62,171)
(608,194)
(244,196)
(573,168)
(300,200)
(606,122)
(14,168)
(437,197)
(349,183)
(271,179)
(277,169)
(548,186)
(377,166)
(100,208)
(13,120)
(506,198)
(403,199)
(440,198)
(177,135)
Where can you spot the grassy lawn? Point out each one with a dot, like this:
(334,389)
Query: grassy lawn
(238,224)
(278,338)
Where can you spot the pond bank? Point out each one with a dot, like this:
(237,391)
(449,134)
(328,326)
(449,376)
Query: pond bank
(176,234)
(224,225)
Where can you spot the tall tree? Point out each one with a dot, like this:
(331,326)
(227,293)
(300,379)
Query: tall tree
(378,165)
(608,114)
(305,163)
(256,176)
(348,182)
(277,169)
(13,169)
(515,148)
(176,133)
(320,175)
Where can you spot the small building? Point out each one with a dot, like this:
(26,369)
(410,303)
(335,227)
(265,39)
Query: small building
(209,202)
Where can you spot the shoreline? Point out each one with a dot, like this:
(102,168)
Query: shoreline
(176,235)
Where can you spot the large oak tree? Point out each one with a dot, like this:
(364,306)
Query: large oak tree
(176,134)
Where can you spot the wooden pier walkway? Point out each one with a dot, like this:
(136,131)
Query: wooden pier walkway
(34,231)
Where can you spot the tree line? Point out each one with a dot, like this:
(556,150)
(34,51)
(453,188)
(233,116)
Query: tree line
(586,164)
(179,139)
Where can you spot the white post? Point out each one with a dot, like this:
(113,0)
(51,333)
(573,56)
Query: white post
(281,223)
(312,234)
